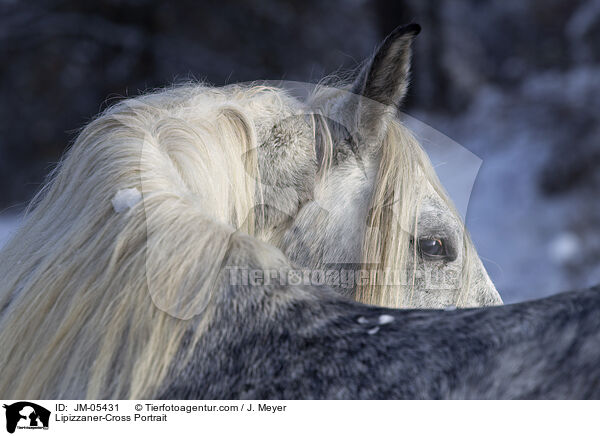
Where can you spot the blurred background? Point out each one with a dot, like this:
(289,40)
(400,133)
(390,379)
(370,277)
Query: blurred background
(517,82)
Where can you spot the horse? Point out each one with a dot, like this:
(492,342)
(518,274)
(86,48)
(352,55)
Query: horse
(168,255)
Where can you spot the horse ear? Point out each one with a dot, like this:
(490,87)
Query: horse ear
(384,80)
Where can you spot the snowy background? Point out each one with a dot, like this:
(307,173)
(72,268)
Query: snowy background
(516,82)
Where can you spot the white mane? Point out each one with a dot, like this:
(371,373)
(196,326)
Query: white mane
(99,327)
(189,151)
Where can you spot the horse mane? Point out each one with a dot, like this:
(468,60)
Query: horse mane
(190,152)
(110,324)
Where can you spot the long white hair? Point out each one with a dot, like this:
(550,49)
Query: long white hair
(87,285)
(75,292)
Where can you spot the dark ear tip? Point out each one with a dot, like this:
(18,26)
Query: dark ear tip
(413,28)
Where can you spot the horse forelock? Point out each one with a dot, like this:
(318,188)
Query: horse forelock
(404,172)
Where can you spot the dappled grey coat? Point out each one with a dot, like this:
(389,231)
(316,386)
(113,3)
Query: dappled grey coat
(324,347)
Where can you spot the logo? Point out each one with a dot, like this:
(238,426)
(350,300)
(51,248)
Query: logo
(26,415)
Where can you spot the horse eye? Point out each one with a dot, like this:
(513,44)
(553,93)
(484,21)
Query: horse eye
(434,248)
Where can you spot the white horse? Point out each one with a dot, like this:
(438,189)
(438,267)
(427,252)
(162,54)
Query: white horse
(168,198)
